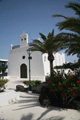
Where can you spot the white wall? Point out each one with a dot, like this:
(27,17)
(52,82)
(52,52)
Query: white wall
(59,59)
(15,61)
(46,64)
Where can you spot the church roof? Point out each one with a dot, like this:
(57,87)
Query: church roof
(18,46)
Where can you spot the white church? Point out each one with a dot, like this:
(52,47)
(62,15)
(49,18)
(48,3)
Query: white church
(18,62)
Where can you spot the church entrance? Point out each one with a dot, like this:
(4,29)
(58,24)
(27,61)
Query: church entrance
(23,71)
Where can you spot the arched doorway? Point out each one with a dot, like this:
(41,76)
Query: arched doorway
(23,71)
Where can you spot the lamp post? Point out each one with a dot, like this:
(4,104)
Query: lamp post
(29,53)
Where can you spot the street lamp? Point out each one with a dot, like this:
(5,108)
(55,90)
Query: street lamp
(29,53)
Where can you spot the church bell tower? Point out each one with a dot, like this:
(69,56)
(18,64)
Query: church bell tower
(24,40)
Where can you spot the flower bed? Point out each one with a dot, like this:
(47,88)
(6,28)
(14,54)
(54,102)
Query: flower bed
(67,85)
(62,90)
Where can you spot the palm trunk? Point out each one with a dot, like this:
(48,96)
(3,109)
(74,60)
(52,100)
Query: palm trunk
(51,58)
(51,68)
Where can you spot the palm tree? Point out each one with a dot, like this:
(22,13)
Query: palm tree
(72,39)
(48,45)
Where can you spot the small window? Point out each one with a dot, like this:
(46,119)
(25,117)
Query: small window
(24,38)
(21,39)
(23,57)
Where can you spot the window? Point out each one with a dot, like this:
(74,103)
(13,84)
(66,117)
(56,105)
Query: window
(23,57)
(21,39)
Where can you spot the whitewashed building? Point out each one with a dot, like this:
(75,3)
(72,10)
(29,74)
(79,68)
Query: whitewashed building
(18,63)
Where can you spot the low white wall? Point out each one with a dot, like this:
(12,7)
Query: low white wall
(8,97)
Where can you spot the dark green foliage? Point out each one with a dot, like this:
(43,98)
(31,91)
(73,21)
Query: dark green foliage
(62,90)
(71,40)
(67,85)
(44,95)
(37,82)
(48,97)
(3,82)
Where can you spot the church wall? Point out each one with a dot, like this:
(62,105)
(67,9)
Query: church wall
(37,67)
(16,60)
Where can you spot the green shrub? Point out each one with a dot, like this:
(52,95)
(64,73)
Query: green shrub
(3,82)
(66,84)
(37,82)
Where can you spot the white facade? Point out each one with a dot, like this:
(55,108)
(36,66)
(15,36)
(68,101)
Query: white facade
(59,59)
(18,63)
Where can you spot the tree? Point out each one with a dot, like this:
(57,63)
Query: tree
(71,39)
(48,45)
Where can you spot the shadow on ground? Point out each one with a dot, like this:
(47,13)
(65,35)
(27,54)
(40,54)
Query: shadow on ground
(30,117)
(30,101)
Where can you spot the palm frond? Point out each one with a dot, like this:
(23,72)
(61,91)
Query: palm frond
(37,42)
(68,37)
(73,49)
(50,34)
(72,24)
(43,36)
(57,15)
(70,41)
(53,32)
(36,47)
(75,7)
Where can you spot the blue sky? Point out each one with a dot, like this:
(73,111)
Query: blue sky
(32,17)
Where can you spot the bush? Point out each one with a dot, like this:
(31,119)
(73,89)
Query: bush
(3,82)
(47,97)
(67,85)
(37,82)
(44,96)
